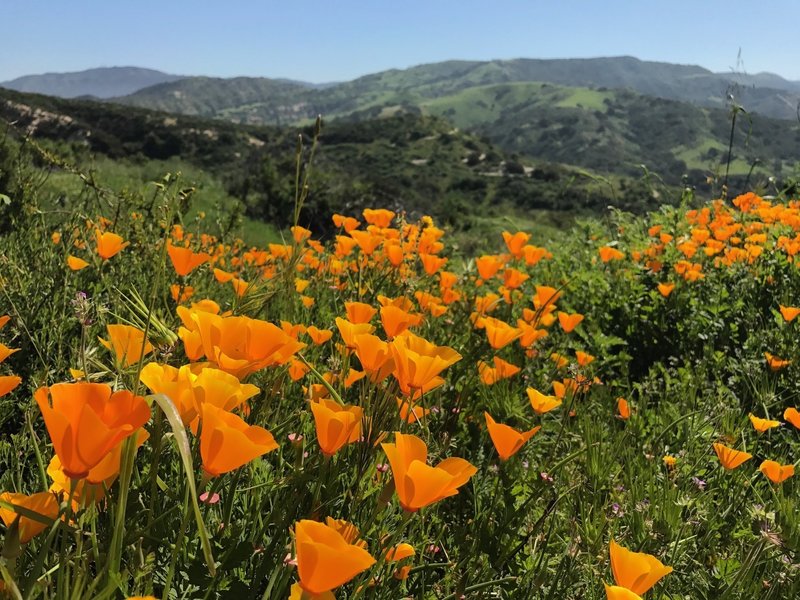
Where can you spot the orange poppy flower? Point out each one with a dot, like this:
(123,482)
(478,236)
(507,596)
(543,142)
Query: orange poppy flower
(790,415)
(180,294)
(501,370)
(729,457)
(43,503)
(366,240)
(346,223)
(488,266)
(397,554)
(545,297)
(607,253)
(223,276)
(411,412)
(184,260)
(380,217)
(75,263)
(318,336)
(584,359)
(92,488)
(336,424)
(8,383)
(789,313)
(560,360)
(775,363)
(193,385)
(617,592)
(293,330)
(297,369)
(447,280)
(507,440)
(499,333)
(344,245)
(776,472)
(560,389)
(623,409)
(374,355)
(108,244)
(127,343)
(5,351)
(635,571)
(514,278)
(349,331)
(432,263)
(569,322)
(227,442)
(325,559)
(400,302)
(300,234)
(418,362)
(515,242)
(353,376)
(239,286)
(417,484)
(3,320)
(393,252)
(426,300)
(533,254)
(395,320)
(237,345)
(762,425)
(86,421)
(530,335)
(665,289)
(358,312)
(541,403)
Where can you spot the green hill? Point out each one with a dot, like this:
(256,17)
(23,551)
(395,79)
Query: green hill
(764,93)
(611,131)
(408,162)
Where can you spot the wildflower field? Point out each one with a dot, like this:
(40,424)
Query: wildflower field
(607,413)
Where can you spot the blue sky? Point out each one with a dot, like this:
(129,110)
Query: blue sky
(337,40)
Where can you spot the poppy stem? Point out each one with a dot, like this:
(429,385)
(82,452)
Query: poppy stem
(83,353)
(177,547)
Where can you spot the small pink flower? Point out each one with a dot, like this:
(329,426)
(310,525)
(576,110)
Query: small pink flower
(212,499)
(289,561)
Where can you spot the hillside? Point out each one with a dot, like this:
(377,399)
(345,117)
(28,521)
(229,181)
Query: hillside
(104,82)
(415,163)
(611,131)
(764,93)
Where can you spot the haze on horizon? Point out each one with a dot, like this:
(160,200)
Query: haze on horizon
(323,42)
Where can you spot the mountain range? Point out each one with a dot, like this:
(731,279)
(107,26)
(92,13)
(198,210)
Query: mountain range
(562,135)
(263,100)
(103,82)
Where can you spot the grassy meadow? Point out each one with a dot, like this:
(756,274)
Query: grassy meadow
(190,411)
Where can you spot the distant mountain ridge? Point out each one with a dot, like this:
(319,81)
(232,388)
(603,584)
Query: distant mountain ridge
(764,93)
(102,82)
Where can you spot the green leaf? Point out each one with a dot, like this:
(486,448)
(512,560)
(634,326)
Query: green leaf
(182,441)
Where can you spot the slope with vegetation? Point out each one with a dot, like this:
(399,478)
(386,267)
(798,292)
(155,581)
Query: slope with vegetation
(612,131)
(413,163)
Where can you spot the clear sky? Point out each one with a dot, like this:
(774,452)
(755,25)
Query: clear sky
(335,40)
